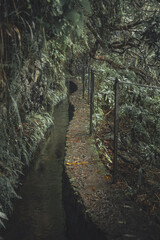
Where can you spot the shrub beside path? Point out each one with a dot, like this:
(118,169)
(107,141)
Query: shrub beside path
(106,204)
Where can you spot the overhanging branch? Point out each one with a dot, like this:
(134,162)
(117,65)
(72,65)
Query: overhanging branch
(114,65)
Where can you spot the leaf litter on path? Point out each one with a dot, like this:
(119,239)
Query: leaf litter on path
(107,204)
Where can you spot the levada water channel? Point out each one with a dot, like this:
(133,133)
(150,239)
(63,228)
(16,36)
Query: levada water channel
(40,213)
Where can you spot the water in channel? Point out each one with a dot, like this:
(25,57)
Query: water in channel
(40,213)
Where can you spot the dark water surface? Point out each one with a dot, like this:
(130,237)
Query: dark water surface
(40,213)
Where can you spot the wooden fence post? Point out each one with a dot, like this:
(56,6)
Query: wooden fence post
(91,99)
(116,122)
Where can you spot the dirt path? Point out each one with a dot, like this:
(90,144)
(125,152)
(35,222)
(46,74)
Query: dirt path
(107,204)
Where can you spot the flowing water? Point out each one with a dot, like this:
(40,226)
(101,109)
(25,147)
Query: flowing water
(40,213)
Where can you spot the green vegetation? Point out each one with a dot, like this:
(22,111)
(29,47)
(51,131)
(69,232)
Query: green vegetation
(127,46)
(41,42)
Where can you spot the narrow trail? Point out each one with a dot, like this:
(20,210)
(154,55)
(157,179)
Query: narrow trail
(106,204)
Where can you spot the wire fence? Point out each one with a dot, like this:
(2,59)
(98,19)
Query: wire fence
(88,82)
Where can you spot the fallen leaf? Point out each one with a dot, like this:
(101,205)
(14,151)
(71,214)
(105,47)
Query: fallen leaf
(75,163)
(82,163)
(107,177)
(71,163)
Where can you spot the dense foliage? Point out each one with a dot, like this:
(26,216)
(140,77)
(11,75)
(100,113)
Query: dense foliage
(41,40)
(125,44)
